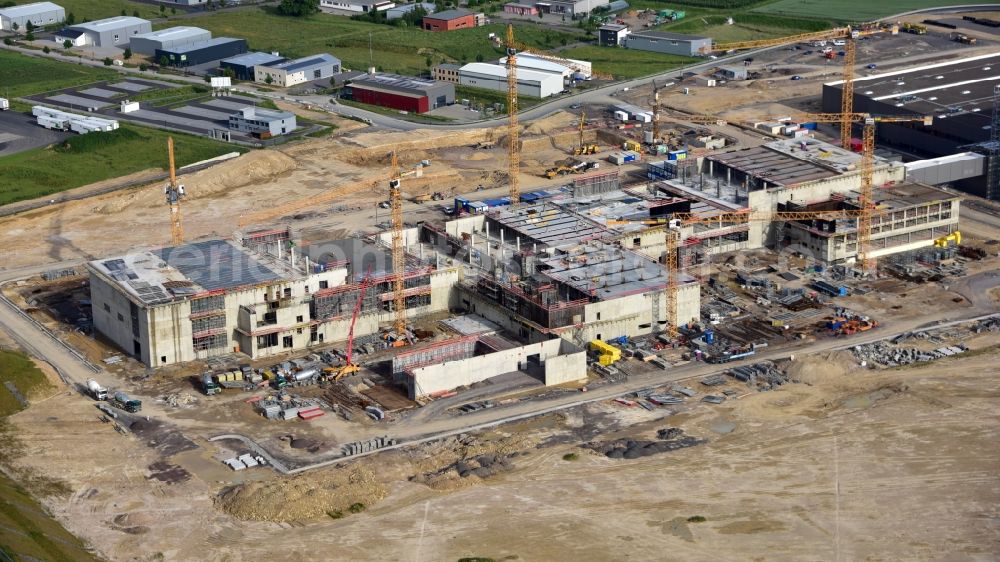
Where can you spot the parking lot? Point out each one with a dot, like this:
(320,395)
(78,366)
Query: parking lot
(18,132)
(201,116)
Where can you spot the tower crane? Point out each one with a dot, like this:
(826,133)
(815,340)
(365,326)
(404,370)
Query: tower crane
(338,192)
(398,250)
(513,133)
(849,34)
(174,192)
(511,47)
(866,198)
(672,236)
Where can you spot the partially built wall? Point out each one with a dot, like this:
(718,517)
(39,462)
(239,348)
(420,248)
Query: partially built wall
(557,361)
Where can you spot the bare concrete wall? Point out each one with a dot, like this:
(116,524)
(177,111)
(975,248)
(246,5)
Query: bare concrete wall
(561,360)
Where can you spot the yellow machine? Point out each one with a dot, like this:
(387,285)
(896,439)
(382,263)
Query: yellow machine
(632,145)
(607,353)
(586,149)
(559,171)
(946,241)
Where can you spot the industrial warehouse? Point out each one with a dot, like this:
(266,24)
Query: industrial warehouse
(385,315)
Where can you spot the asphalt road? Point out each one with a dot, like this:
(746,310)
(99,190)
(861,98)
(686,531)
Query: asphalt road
(20,132)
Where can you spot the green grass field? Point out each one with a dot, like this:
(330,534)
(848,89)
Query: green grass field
(95,157)
(21,75)
(403,50)
(98,9)
(848,10)
(625,63)
(20,370)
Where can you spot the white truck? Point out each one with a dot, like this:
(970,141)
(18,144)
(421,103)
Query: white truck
(97,391)
(4,104)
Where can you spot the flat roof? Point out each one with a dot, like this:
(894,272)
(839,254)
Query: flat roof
(203,45)
(602,270)
(109,23)
(904,195)
(773,166)
(253,59)
(668,35)
(29,9)
(497,71)
(547,223)
(264,114)
(305,62)
(216,264)
(173,33)
(180,272)
(932,89)
(613,27)
(932,162)
(448,15)
(395,82)
(449,66)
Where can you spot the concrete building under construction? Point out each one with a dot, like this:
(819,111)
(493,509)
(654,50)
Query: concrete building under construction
(257,294)
(797,175)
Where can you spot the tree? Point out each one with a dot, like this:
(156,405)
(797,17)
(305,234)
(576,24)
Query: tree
(8,41)
(229,73)
(540,14)
(70,18)
(127,54)
(298,8)
(143,67)
(164,61)
(163,9)
(479,57)
(429,62)
(173,11)
(30,35)
(29,26)
(108,61)
(67,44)
(135,13)
(14,27)
(268,80)
(46,49)
(124,13)
(207,78)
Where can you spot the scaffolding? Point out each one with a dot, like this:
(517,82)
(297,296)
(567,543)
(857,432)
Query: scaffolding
(435,353)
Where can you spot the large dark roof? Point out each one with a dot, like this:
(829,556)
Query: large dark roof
(216,264)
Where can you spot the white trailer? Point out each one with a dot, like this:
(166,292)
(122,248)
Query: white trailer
(4,104)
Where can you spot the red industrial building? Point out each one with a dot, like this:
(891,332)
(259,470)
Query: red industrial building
(405,93)
(450,20)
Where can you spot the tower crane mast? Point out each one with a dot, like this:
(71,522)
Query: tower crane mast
(174,193)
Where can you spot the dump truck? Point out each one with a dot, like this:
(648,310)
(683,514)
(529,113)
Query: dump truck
(959,37)
(558,171)
(97,392)
(121,401)
(423,198)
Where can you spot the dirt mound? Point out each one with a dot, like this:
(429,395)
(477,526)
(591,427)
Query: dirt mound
(303,497)
(252,167)
(821,367)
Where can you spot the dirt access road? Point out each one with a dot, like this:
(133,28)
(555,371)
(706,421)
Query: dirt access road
(853,465)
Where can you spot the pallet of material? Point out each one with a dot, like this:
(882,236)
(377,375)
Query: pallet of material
(310,414)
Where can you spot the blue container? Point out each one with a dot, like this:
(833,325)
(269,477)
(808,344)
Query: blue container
(810,126)
(709,337)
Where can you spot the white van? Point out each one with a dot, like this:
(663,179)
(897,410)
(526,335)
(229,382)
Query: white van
(839,42)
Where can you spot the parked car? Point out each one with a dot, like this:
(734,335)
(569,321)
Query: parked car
(872,66)
(796,77)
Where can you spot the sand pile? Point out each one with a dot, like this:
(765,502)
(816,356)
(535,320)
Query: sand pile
(303,497)
(253,167)
(819,368)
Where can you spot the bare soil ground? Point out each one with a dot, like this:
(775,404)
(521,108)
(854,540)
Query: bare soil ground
(843,466)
